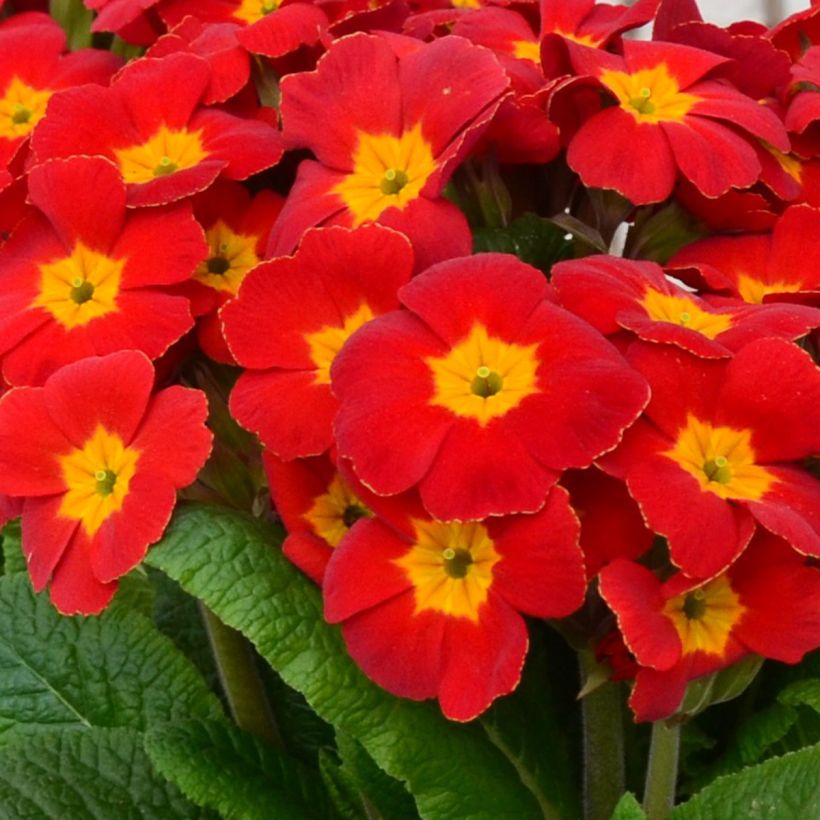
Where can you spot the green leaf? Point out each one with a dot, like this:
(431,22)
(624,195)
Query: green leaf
(384,793)
(531,238)
(135,593)
(14,562)
(229,561)
(783,788)
(223,768)
(802,693)
(112,670)
(341,787)
(101,773)
(527,728)
(628,808)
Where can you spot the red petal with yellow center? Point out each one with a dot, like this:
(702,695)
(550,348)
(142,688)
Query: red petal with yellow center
(29,441)
(72,396)
(284,30)
(782,594)
(633,593)
(124,537)
(75,590)
(46,535)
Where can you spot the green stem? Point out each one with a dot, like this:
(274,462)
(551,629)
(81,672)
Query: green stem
(75,20)
(240,679)
(662,770)
(603,735)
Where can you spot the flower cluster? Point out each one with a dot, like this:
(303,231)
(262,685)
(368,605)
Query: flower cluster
(454,440)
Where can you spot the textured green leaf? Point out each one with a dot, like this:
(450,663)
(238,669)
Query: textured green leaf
(341,786)
(527,727)
(783,788)
(628,808)
(229,561)
(802,693)
(384,793)
(221,767)
(112,670)
(14,561)
(531,238)
(101,774)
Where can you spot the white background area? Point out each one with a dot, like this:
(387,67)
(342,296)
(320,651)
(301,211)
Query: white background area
(765,11)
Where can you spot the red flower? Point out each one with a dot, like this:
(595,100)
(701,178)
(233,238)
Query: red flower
(669,106)
(616,294)
(317,505)
(292,317)
(755,267)
(270,27)
(611,523)
(236,229)
(481,392)
(98,461)
(767,603)
(33,66)
(89,277)
(721,448)
(150,125)
(432,610)
(387,162)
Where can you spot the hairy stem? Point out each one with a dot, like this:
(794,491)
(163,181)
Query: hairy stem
(240,679)
(662,770)
(602,717)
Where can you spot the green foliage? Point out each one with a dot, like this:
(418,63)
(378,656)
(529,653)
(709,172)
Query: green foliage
(783,788)
(229,561)
(531,238)
(114,670)
(221,767)
(13,559)
(99,773)
(628,808)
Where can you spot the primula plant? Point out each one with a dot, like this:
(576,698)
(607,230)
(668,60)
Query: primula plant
(408,409)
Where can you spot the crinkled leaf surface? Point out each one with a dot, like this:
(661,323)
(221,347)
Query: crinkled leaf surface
(102,774)
(111,670)
(230,561)
(783,788)
(221,767)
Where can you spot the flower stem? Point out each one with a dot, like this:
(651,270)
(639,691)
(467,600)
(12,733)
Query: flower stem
(662,770)
(240,679)
(602,717)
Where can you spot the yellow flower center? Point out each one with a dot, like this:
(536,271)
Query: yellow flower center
(97,476)
(252,11)
(79,287)
(387,171)
(335,512)
(651,95)
(721,459)
(21,108)
(231,255)
(527,50)
(705,617)
(450,567)
(163,154)
(325,344)
(754,290)
(483,377)
(788,162)
(582,39)
(678,310)
(466,4)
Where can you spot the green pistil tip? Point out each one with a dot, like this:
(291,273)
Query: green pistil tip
(268,6)
(645,92)
(718,469)
(81,291)
(393,181)
(20,115)
(166,166)
(218,265)
(457,562)
(486,382)
(642,102)
(685,318)
(694,605)
(106,479)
